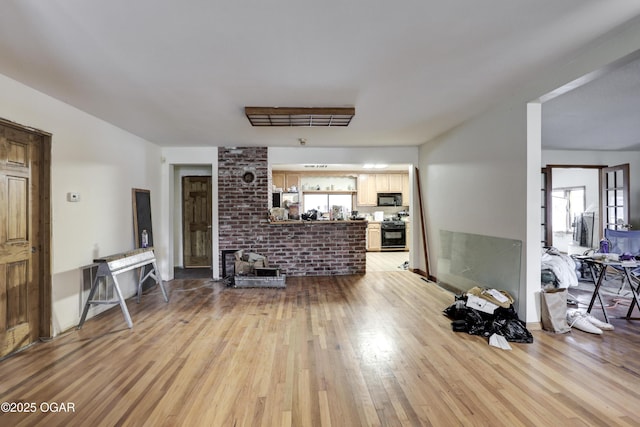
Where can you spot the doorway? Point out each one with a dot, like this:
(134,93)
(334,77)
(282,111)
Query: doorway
(196,221)
(387,261)
(25,272)
(580,201)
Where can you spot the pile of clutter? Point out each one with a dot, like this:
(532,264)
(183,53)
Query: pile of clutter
(488,312)
(253,271)
(557,318)
(246,263)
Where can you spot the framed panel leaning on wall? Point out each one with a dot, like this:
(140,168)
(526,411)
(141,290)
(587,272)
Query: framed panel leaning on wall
(141,200)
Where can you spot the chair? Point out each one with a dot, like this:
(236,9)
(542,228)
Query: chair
(624,242)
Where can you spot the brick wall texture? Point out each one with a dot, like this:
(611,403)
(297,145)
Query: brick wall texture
(297,248)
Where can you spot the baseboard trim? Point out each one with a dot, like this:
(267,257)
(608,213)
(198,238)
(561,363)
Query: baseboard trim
(422,273)
(534,326)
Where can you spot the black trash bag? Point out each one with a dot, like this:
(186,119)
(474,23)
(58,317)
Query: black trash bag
(503,321)
(478,323)
(506,323)
(457,310)
(475,322)
(459,326)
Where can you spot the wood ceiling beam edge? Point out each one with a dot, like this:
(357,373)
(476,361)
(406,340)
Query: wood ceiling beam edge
(291,111)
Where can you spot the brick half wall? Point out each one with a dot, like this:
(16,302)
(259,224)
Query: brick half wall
(317,248)
(297,248)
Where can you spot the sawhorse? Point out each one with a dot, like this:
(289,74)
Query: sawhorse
(113,265)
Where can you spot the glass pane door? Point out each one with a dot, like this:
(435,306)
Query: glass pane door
(615,195)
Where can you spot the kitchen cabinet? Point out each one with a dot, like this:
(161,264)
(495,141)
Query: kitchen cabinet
(382,182)
(395,182)
(285,180)
(405,190)
(277,179)
(374,236)
(369,185)
(291,180)
(367,192)
(389,182)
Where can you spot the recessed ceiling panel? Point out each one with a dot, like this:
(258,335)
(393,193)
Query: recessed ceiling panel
(300,116)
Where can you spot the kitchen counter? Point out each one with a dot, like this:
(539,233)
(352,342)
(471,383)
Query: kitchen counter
(315,248)
(319,221)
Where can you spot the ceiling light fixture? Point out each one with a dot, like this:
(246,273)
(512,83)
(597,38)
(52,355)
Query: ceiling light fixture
(300,116)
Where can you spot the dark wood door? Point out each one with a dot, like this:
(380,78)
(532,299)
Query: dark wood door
(196,220)
(615,197)
(19,237)
(545,184)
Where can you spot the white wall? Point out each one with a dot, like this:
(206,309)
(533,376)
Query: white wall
(475,183)
(478,175)
(102,163)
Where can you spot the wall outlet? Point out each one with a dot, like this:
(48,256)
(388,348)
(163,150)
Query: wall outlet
(73,197)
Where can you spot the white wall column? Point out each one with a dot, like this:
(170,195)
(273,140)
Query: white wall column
(532,246)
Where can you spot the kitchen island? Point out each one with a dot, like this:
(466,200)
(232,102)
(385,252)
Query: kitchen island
(316,248)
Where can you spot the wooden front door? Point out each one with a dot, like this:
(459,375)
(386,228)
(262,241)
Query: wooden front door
(196,220)
(19,238)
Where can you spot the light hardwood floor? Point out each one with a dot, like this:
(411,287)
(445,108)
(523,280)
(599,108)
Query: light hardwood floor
(372,350)
(386,261)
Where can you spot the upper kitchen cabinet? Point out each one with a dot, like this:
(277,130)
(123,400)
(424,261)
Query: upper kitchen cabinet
(395,182)
(285,180)
(389,182)
(405,190)
(277,179)
(369,185)
(292,180)
(367,190)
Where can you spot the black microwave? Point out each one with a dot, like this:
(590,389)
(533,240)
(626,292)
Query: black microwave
(389,199)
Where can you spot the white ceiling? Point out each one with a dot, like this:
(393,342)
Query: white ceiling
(601,114)
(181,72)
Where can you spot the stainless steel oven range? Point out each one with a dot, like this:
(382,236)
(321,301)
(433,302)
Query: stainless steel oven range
(394,234)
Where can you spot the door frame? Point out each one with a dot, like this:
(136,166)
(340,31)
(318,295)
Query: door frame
(548,194)
(43,245)
(183,179)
